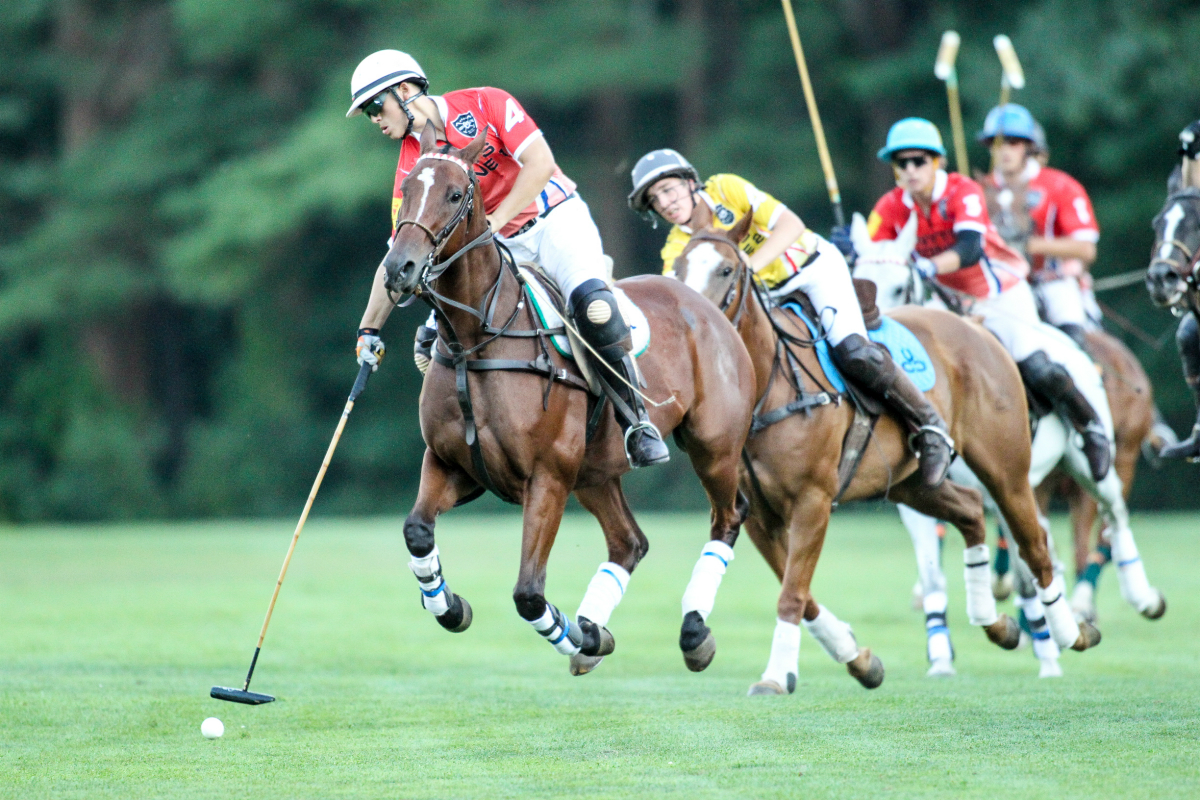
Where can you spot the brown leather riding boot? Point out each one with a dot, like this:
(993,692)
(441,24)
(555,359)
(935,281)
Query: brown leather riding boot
(871,366)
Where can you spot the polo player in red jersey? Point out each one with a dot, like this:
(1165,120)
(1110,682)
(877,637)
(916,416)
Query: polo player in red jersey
(1060,241)
(530,204)
(959,248)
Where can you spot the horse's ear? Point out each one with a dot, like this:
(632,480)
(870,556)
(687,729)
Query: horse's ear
(472,151)
(860,237)
(908,234)
(741,228)
(428,139)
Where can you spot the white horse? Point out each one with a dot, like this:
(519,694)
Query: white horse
(887,264)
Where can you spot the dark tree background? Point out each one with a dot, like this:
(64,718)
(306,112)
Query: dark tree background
(189,226)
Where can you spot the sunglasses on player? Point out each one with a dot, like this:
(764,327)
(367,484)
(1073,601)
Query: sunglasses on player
(374,106)
(904,162)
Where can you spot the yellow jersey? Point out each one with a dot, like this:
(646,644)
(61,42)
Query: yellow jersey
(731,197)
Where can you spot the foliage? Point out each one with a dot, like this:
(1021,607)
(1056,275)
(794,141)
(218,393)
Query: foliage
(188,225)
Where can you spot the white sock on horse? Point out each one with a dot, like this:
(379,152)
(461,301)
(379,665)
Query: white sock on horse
(1044,646)
(937,634)
(981,604)
(834,636)
(1131,572)
(604,593)
(784,663)
(435,596)
(556,630)
(1061,621)
(701,592)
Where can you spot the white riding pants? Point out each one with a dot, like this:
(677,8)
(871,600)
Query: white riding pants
(1013,317)
(1062,302)
(827,283)
(565,244)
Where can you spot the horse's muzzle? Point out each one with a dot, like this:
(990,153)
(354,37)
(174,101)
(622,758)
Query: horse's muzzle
(402,273)
(1165,285)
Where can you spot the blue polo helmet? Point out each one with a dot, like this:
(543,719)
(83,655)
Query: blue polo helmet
(912,133)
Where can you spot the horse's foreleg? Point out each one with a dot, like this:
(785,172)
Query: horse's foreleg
(927,546)
(626,547)
(545,500)
(441,487)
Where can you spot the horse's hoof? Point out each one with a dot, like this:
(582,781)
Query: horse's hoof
(1156,611)
(765,687)
(1089,636)
(582,665)
(1004,632)
(1049,668)
(699,657)
(866,668)
(941,668)
(458,618)
(1002,585)
(597,640)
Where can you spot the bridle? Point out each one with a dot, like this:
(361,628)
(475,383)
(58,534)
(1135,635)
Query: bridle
(1188,268)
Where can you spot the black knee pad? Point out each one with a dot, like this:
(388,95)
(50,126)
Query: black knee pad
(1045,377)
(594,309)
(1187,338)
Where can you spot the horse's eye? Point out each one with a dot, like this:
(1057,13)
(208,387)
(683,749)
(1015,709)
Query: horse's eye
(456,197)
(725,273)
(897,292)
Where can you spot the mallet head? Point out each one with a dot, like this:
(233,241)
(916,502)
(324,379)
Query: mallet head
(943,68)
(240,696)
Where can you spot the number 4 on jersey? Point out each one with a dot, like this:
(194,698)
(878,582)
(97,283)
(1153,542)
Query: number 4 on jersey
(512,114)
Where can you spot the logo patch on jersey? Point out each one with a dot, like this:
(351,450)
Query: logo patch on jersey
(724,214)
(1034,198)
(465,124)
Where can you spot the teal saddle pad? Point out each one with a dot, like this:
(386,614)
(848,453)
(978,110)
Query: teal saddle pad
(906,349)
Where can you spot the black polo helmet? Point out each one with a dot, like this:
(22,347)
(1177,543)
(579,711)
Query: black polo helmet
(654,166)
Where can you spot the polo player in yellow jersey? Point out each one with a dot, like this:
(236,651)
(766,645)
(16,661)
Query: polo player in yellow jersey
(788,257)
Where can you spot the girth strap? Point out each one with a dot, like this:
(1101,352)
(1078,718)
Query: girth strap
(802,403)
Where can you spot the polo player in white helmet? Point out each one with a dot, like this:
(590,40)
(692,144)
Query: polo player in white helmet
(531,205)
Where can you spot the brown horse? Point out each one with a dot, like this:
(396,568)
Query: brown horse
(517,421)
(792,470)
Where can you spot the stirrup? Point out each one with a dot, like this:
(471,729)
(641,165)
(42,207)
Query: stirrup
(931,429)
(645,425)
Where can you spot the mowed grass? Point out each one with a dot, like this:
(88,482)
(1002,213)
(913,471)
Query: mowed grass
(110,637)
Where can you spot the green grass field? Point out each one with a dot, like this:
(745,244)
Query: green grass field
(110,638)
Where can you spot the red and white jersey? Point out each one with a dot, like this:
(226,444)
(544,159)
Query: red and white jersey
(509,131)
(958,205)
(1058,207)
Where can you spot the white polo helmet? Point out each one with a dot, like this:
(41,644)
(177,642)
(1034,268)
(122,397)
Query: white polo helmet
(377,72)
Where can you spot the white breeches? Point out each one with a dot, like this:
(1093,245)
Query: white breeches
(565,244)
(1062,302)
(1011,316)
(827,283)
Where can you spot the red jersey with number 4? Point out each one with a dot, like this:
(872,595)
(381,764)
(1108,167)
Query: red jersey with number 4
(1058,207)
(509,131)
(957,206)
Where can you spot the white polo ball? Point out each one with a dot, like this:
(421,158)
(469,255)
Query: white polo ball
(212,728)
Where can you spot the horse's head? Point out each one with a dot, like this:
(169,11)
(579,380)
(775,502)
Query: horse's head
(886,263)
(1176,245)
(711,262)
(440,194)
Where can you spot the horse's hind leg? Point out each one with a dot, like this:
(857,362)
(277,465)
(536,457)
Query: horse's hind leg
(963,508)
(441,487)
(716,464)
(627,545)
(927,547)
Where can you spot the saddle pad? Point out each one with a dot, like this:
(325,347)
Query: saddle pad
(906,349)
(639,327)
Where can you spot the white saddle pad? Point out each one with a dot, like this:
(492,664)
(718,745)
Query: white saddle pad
(639,327)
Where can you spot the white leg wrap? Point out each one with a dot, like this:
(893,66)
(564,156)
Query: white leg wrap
(604,593)
(981,605)
(834,636)
(1131,572)
(937,634)
(923,530)
(1064,630)
(1044,646)
(556,629)
(784,663)
(701,592)
(435,596)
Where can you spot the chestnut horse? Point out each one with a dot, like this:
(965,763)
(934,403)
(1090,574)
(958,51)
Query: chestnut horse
(517,421)
(792,466)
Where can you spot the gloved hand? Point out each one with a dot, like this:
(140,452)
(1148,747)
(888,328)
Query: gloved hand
(423,347)
(370,347)
(924,267)
(839,237)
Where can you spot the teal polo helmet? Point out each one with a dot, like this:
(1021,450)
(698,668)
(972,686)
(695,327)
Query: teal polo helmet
(1009,120)
(912,133)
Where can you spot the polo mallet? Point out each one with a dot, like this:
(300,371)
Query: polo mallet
(945,71)
(835,196)
(1011,77)
(244,695)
